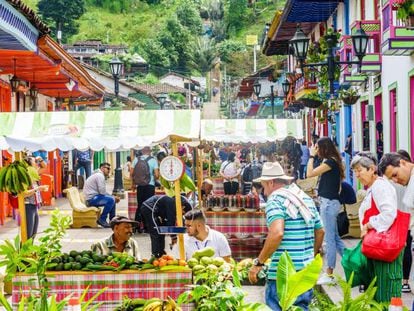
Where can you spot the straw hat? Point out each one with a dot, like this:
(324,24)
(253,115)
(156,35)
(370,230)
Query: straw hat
(272,170)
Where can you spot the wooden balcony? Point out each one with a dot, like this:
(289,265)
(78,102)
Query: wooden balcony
(397,36)
(371,63)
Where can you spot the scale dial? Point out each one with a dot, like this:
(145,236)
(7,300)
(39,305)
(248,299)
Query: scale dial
(172,168)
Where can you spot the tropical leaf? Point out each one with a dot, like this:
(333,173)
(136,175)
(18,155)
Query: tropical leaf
(285,270)
(296,283)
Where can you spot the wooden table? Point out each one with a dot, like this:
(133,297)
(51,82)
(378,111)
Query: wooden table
(131,283)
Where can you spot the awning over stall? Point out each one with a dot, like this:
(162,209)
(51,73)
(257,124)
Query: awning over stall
(250,130)
(112,130)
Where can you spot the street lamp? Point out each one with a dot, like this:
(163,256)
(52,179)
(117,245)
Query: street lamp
(162,98)
(300,45)
(116,68)
(286,87)
(257,87)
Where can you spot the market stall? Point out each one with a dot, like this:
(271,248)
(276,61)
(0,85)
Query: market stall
(245,230)
(133,284)
(97,130)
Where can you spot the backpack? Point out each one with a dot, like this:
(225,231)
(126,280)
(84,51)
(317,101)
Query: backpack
(141,174)
(347,194)
(251,172)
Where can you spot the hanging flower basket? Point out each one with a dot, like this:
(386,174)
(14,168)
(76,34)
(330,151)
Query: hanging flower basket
(350,100)
(310,103)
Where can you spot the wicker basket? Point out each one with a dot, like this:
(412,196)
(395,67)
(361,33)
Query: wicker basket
(350,100)
(310,103)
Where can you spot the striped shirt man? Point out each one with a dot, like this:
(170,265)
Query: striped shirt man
(299,236)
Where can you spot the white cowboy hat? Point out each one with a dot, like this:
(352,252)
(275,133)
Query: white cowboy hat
(272,170)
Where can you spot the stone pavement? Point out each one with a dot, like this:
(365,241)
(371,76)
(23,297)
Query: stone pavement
(80,239)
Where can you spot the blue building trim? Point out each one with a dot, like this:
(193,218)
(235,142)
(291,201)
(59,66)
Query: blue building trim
(347,131)
(16,32)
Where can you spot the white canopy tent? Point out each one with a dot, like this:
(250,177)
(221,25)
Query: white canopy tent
(250,130)
(110,130)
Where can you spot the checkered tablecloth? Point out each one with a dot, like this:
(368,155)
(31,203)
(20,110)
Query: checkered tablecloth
(126,283)
(218,187)
(249,223)
(245,248)
(132,204)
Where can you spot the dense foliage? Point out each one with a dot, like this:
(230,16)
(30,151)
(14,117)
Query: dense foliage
(63,12)
(188,36)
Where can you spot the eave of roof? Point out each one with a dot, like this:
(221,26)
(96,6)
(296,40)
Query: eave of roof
(31,15)
(306,12)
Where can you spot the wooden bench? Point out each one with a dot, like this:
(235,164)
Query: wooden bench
(82,215)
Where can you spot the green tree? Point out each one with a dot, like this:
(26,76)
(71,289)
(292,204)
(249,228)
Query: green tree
(177,40)
(156,55)
(235,15)
(63,12)
(205,54)
(189,16)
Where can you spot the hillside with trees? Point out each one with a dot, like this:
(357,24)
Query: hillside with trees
(186,36)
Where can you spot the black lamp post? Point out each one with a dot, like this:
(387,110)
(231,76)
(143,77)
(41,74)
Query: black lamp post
(116,68)
(300,45)
(272,98)
(161,99)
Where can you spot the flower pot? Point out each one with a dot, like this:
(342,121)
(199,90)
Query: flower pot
(310,103)
(350,100)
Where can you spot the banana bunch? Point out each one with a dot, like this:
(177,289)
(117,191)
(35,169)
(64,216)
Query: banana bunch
(14,178)
(186,185)
(157,304)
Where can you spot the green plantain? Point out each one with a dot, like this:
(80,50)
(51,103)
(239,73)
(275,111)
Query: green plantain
(3,172)
(9,181)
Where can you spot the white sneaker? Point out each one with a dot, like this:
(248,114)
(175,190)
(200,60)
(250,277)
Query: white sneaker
(326,279)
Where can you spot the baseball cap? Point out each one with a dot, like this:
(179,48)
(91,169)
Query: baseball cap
(121,219)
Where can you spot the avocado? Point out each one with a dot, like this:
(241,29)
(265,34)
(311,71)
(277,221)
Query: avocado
(98,258)
(59,267)
(77,266)
(67,266)
(73,254)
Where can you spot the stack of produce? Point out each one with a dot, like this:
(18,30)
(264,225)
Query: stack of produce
(203,261)
(14,178)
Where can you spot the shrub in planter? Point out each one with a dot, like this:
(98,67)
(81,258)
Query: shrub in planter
(311,100)
(349,96)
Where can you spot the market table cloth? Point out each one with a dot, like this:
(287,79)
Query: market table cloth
(238,223)
(133,204)
(130,283)
(245,248)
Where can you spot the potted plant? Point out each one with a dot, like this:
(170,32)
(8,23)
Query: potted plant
(317,53)
(405,10)
(311,100)
(349,96)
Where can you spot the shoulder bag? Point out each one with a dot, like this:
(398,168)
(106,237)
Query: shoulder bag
(387,245)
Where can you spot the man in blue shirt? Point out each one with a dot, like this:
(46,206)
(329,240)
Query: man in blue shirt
(144,192)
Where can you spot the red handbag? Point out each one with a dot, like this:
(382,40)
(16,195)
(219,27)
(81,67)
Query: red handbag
(387,245)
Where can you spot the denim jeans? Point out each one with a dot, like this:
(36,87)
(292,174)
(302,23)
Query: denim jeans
(272,299)
(32,220)
(329,211)
(86,165)
(108,202)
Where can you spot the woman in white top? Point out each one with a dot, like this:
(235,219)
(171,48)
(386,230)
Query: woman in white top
(230,171)
(381,193)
